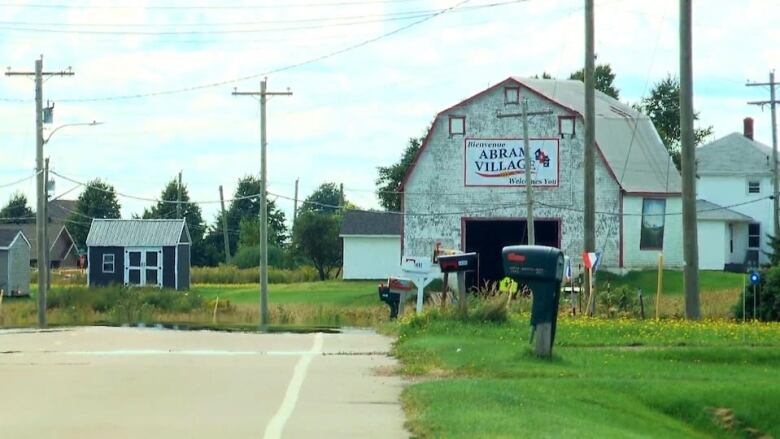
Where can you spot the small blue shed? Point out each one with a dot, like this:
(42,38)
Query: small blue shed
(140,252)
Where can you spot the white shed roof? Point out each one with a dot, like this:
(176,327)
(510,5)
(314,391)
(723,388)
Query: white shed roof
(627,138)
(137,232)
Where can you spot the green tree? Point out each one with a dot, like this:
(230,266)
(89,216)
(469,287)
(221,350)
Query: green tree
(16,211)
(246,206)
(317,238)
(326,198)
(604,78)
(663,108)
(191,212)
(390,177)
(545,75)
(97,201)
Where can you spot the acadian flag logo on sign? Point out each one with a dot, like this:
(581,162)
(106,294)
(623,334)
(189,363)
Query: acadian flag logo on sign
(592,260)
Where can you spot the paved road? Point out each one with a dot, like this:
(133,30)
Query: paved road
(146,383)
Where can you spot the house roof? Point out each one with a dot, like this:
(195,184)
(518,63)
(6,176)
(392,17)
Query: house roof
(137,232)
(712,212)
(7,237)
(61,210)
(358,222)
(734,154)
(55,231)
(625,138)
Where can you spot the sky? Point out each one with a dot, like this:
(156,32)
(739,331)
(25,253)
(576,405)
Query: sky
(366,75)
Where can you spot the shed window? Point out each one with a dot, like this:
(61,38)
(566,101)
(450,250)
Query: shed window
(652,232)
(754,235)
(511,95)
(754,186)
(457,125)
(108,263)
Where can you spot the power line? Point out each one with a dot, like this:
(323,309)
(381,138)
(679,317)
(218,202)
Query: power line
(275,70)
(197,7)
(21,180)
(386,16)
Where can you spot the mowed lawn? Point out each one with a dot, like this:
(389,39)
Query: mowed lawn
(335,292)
(608,378)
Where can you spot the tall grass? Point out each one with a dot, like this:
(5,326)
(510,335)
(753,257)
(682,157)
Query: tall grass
(228,274)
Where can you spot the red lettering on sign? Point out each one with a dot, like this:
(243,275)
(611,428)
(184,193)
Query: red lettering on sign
(514,257)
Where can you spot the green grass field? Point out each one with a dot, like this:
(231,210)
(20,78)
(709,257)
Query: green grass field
(608,378)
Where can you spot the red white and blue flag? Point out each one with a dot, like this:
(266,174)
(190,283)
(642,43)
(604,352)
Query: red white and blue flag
(592,260)
(568,272)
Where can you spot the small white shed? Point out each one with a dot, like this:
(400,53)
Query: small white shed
(372,244)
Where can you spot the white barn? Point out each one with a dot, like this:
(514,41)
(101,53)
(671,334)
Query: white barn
(465,188)
(372,244)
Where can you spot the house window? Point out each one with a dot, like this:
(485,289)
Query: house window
(566,126)
(511,95)
(653,216)
(754,235)
(754,186)
(457,125)
(108,263)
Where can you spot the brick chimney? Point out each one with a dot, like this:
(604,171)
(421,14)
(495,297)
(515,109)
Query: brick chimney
(747,127)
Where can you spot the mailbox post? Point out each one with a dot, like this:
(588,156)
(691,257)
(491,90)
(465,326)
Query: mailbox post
(541,269)
(460,264)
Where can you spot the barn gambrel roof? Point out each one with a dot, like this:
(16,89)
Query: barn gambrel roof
(137,233)
(625,138)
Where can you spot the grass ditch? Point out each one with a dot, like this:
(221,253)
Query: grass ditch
(607,378)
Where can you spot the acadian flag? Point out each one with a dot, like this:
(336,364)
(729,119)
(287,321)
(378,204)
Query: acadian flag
(568,272)
(591,260)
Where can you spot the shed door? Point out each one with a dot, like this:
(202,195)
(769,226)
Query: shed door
(143,266)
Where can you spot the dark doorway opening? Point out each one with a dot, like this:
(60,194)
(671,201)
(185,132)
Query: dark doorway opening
(487,237)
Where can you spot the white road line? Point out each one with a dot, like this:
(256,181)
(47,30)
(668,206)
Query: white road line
(276,425)
(197,352)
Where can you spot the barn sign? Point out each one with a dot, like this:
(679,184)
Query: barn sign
(501,162)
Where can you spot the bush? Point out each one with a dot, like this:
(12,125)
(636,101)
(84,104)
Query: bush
(618,301)
(767,298)
(229,274)
(109,299)
(249,257)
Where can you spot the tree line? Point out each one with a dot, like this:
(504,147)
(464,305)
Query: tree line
(313,240)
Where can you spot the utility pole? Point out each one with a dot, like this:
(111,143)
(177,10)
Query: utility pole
(46,254)
(772,102)
(224,226)
(39,73)
(529,198)
(295,210)
(688,165)
(263,93)
(341,196)
(178,198)
(295,203)
(589,220)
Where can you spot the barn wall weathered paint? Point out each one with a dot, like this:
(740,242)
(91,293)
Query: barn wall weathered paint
(437,181)
(96,275)
(634,257)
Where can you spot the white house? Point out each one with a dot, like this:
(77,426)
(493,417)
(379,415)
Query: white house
(465,187)
(372,244)
(735,172)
